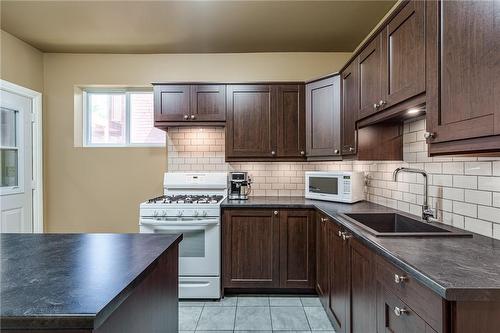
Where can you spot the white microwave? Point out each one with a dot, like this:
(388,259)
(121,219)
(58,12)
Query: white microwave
(343,186)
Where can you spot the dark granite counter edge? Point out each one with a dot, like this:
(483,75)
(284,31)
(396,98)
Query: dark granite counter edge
(109,308)
(450,294)
(84,320)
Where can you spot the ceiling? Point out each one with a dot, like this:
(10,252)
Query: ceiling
(192,26)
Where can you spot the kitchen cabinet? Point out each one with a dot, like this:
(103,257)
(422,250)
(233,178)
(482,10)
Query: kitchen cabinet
(188,105)
(463,71)
(338,275)
(349,89)
(322,258)
(323,118)
(268,249)
(370,78)
(265,122)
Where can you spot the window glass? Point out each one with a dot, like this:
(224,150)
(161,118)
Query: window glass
(142,130)
(9,151)
(7,128)
(107,113)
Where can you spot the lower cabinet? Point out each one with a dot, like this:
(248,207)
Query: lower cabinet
(338,270)
(268,249)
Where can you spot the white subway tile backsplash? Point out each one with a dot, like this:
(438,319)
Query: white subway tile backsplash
(465,191)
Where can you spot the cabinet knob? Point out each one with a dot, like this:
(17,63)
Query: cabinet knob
(273,153)
(336,151)
(340,234)
(399,311)
(186,116)
(351,149)
(302,152)
(345,236)
(429,135)
(193,116)
(375,106)
(400,278)
(323,219)
(382,103)
(275,212)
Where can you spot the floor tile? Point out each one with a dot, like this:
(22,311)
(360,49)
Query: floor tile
(188,318)
(183,304)
(253,318)
(253,301)
(310,301)
(217,318)
(284,301)
(226,301)
(317,318)
(288,318)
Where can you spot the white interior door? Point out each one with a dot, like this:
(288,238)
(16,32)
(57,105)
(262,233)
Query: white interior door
(16,163)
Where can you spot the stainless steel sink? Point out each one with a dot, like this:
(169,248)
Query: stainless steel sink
(397,225)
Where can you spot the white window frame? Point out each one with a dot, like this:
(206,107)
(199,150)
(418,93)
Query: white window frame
(87,129)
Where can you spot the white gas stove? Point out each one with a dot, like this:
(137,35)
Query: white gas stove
(191,206)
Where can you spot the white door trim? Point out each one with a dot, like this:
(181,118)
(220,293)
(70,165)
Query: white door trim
(36,105)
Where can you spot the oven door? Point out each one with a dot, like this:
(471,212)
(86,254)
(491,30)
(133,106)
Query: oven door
(199,250)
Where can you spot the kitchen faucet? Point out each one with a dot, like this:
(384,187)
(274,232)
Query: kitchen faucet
(427,212)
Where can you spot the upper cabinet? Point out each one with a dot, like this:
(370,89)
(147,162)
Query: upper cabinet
(265,122)
(323,118)
(185,105)
(463,76)
(349,115)
(370,78)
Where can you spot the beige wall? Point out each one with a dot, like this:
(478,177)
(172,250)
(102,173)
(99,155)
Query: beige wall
(20,63)
(99,189)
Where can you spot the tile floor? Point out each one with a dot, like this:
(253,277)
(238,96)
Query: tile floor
(264,314)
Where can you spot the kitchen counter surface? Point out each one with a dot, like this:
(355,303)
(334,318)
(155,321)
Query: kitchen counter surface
(70,281)
(456,268)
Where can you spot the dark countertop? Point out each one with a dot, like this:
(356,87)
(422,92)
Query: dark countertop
(456,268)
(72,280)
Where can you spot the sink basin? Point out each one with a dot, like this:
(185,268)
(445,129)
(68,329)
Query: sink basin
(397,225)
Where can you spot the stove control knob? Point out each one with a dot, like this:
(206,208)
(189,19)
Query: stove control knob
(204,213)
(196,213)
(179,213)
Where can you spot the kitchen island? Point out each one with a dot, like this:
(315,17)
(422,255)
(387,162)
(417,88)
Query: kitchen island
(89,283)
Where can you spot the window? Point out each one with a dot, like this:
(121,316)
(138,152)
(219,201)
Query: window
(9,148)
(120,118)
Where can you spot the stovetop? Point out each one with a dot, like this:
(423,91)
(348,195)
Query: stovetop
(187,199)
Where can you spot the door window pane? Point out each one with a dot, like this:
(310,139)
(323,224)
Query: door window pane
(9,167)
(8,127)
(107,118)
(142,128)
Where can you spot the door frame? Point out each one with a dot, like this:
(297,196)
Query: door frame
(37,148)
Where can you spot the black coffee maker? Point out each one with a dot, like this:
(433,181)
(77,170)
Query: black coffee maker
(239,186)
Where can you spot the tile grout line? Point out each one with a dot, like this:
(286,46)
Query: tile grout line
(307,318)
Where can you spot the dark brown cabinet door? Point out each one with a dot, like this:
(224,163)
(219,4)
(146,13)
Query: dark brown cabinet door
(403,54)
(363,297)
(323,117)
(463,74)
(370,74)
(251,121)
(171,102)
(349,88)
(208,102)
(322,259)
(394,316)
(251,248)
(291,121)
(338,276)
(297,249)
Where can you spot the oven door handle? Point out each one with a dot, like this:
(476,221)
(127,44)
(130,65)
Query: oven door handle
(158,223)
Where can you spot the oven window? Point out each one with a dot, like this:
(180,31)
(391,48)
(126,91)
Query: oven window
(192,244)
(326,185)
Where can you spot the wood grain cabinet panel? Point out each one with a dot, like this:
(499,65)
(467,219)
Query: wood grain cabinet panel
(297,249)
(403,54)
(251,249)
(291,121)
(251,121)
(208,102)
(370,77)
(349,92)
(171,102)
(323,117)
(463,76)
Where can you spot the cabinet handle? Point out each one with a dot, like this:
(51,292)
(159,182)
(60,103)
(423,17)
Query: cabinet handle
(273,153)
(340,234)
(275,212)
(336,151)
(400,278)
(351,149)
(346,236)
(302,152)
(186,116)
(429,135)
(375,106)
(399,311)
(382,103)
(193,117)
(323,219)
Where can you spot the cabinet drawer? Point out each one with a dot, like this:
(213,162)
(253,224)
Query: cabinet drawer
(425,302)
(395,316)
